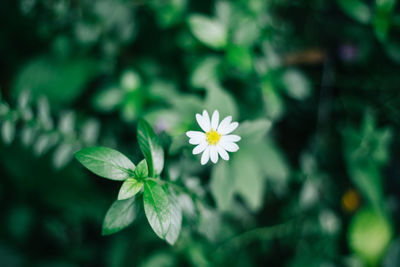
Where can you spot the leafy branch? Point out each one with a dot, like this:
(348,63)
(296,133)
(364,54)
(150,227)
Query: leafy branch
(159,198)
(37,128)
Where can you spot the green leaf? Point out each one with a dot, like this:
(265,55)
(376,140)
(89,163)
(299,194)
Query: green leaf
(240,58)
(254,130)
(222,186)
(44,142)
(151,148)
(369,235)
(247,32)
(276,167)
(108,100)
(176,217)
(63,155)
(206,71)
(23,99)
(208,31)
(130,81)
(357,9)
(248,179)
(62,81)
(383,17)
(141,170)
(28,135)
(66,124)
(368,180)
(157,208)
(296,84)
(106,162)
(44,113)
(169,12)
(274,104)
(216,96)
(209,222)
(129,188)
(90,131)
(120,215)
(8,131)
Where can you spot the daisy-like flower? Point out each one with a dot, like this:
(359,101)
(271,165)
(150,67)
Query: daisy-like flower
(216,138)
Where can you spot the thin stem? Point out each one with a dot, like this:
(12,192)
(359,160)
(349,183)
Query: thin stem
(175,186)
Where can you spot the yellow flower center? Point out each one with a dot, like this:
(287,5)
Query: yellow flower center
(213,137)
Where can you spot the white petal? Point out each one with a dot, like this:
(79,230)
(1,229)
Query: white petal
(194,134)
(213,154)
(195,141)
(200,148)
(196,137)
(205,156)
(228,129)
(204,121)
(224,155)
(229,146)
(230,138)
(215,120)
(224,123)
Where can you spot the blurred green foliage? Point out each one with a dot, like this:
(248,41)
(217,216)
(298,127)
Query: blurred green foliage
(313,83)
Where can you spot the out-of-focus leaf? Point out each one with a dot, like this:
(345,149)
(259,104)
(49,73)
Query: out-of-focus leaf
(270,159)
(383,17)
(60,81)
(28,135)
(273,103)
(8,131)
(296,84)
(223,11)
(151,148)
(246,33)
(222,186)
(157,208)
(44,143)
(240,58)
(130,187)
(176,216)
(366,150)
(130,81)
(132,105)
(369,235)
(120,215)
(253,131)
(169,12)
(63,155)
(108,100)
(209,31)
(206,71)
(219,99)
(44,113)
(357,9)
(90,131)
(209,222)
(248,179)
(66,124)
(159,258)
(106,162)
(3,109)
(23,100)
(368,180)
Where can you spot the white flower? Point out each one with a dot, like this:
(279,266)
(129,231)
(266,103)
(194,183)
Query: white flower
(216,138)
